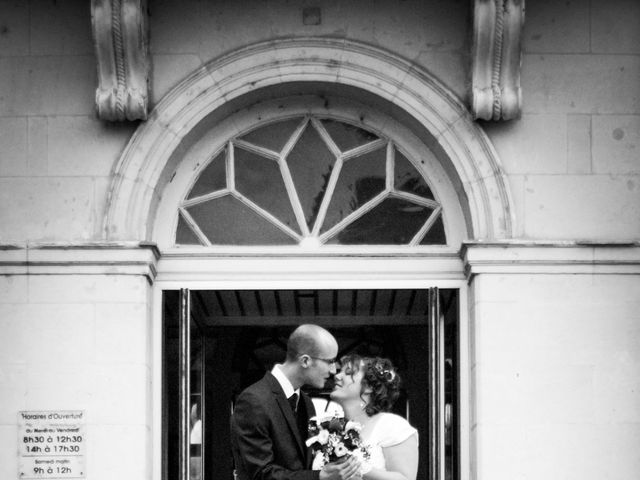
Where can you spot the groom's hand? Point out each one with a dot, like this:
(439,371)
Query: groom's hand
(343,469)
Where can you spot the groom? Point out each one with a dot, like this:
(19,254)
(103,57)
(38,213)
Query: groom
(269,422)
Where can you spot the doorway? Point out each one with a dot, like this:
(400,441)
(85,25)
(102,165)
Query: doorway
(217,342)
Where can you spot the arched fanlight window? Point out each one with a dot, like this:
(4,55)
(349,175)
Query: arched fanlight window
(310,181)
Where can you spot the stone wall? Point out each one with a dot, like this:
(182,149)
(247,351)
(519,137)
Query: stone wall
(578,133)
(79,342)
(557,369)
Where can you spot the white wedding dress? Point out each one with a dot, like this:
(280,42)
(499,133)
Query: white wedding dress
(386,430)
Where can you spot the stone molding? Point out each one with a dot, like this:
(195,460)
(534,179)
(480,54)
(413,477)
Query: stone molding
(133,194)
(139,258)
(562,257)
(121,43)
(496,59)
(114,258)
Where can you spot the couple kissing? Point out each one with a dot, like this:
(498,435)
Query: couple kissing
(270,422)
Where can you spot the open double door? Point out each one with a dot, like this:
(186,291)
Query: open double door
(217,342)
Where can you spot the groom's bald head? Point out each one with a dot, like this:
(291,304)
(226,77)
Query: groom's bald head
(309,339)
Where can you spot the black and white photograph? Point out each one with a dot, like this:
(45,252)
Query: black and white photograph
(320,239)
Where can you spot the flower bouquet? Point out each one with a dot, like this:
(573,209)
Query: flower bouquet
(333,437)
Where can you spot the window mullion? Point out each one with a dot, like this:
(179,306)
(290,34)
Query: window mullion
(425,228)
(416,199)
(331,185)
(326,137)
(205,198)
(266,215)
(375,201)
(391,161)
(294,138)
(194,227)
(265,152)
(231,168)
(293,197)
(364,149)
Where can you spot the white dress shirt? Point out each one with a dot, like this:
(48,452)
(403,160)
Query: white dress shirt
(284,382)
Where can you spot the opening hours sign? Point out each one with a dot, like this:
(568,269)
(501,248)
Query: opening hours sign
(51,444)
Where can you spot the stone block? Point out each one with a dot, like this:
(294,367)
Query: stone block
(47,335)
(448,67)
(20,333)
(118,451)
(579,144)
(48,85)
(13,289)
(8,452)
(616,144)
(101,186)
(88,289)
(66,333)
(589,450)
(37,148)
(533,144)
(614,289)
(169,71)
(400,26)
(13,146)
(580,207)
(617,385)
(14,28)
(581,84)
(46,209)
(80,146)
(525,393)
(573,331)
(54,387)
(61,28)
(122,333)
(174,27)
(557,450)
(614,26)
(556,27)
(503,288)
(516,184)
(13,391)
(557,289)
(119,395)
(499,451)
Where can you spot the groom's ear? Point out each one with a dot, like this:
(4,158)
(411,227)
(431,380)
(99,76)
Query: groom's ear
(304,361)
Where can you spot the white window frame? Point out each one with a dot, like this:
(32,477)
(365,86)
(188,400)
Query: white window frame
(197,155)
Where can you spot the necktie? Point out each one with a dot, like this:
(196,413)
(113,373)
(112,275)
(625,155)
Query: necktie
(293,401)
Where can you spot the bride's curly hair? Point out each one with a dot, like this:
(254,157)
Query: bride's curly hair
(380,376)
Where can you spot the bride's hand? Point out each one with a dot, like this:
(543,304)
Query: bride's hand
(347,469)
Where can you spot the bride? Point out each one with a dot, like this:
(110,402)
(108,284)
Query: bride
(366,388)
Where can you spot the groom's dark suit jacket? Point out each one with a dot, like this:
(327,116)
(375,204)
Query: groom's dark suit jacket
(265,439)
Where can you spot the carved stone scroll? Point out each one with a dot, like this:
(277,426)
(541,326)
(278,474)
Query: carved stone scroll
(121,41)
(496,54)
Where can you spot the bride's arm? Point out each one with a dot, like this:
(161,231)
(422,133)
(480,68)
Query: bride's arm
(401,462)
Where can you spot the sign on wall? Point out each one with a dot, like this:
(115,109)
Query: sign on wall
(51,444)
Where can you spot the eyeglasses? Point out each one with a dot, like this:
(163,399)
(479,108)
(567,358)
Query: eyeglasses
(328,361)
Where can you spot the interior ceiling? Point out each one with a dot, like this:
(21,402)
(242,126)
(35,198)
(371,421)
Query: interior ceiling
(326,307)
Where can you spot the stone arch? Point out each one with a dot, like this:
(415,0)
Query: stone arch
(141,171)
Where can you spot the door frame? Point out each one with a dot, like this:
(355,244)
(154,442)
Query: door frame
(260,272)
